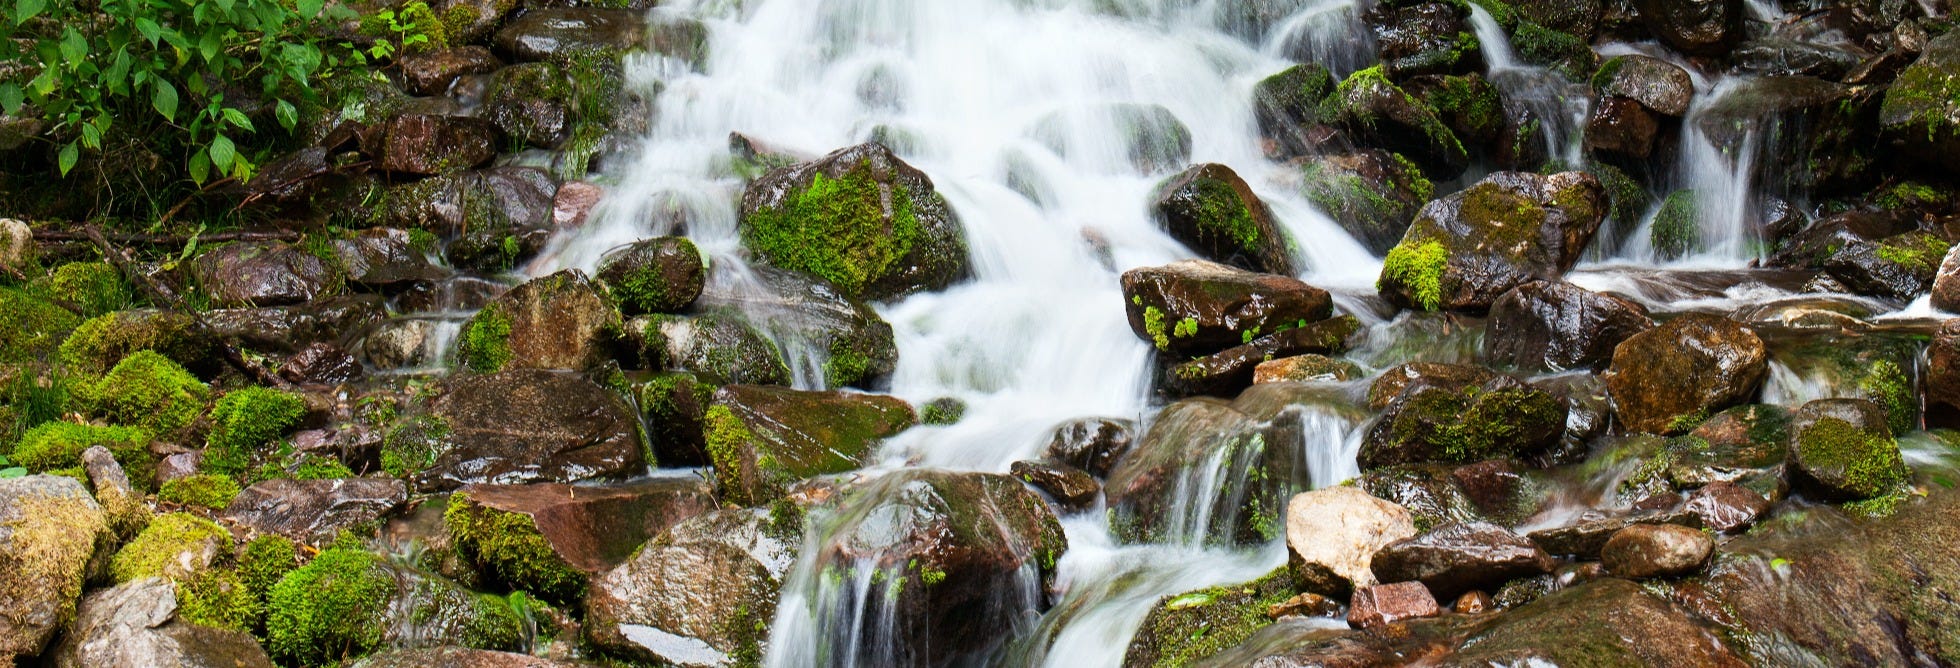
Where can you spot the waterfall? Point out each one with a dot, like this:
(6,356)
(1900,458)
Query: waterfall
(1560,106)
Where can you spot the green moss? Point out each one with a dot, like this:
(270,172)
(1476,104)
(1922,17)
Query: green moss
(31,329)
(1419,268)
(218,598)
(30,400)
(838,229)
(244,421)
(942,411)
(727,439)
(1504,13)
(1564,52)
(316,467)
(1919,253)
(52,540)
(1677,227)
(1881,506)
(1626,196)
(508,547)
(1471,102)
(99,343)
(846,364)
(264,561)
(1153,325)
(414,445)
(1688,421)
(1888,386)
(329,609)
(1224,214)
(1911,195)
(95,287)
(485,346)
(155,551)
(54,446)
(1926,94)
(147,390)
(1186,629)
(204,490)
(1486,424)
(1603,77)
(1871,461)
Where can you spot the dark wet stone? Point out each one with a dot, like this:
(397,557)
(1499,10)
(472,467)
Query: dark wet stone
(1556,326)
(431,72)
(1467,249)
(1655,550)
(321,364)
(431,144)
(1920,113)
(1660,86)
(1695,27)
(1373,112)
(721,346)
(544,33)
(1381,605)
(1900,267)
(1211,210)
(762,439)
(292,328)
(1373,194)
(1227,372)
(658,275)
(594,528)
(1195,307)
(530,425)
(1461,557)
(312,511)
(1500,417)
(378,259)
(1072,488)
(560,321)
(1585,539)
(263,273)
(1092,444)
(1286,106)
(1842,449)
(1725,506)
(696,595)
(1621,128)
(1424,38)
(1943,375)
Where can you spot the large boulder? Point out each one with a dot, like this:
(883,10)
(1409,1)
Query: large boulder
(722,346)
(1695,27)
(1824,129)
(137,624)
(291,328)
(50,530)
(1287,108)
(1921,111)
(384,258)
(1211,210)
(1371,193)
(1195,307)
(1500,417)
(1461,557)
(1943,375)
(1184,629)
(1660,86)
(1373,112)
(550,538)
(1669,379)
(1842,449)
(431,144)
(547,32)
(1555,326)
(858,344)
(1467,249)
(1417,38)
(268,273)
(761,439)
(560,321)
(658,275)
(700,594)
(346,603)
(1332,536)
(314,511)
(527,425)
(1946,283)
(1900,267)
(859,218)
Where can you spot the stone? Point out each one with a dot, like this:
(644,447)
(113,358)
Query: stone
(1668,379)
(1725,506)
(1660,86)
(1400,378)
(1190,626)
(1656,550)
(495,217)
(1211,210)
(17,249)
(1332,535)
(1501,417)
(1309,368)
(1380,605)
(1943,375)
(547,32)
(1946,283)
(1072,488)
(1196,307)
(1473,603)
(1227,372)
(1694,27)
(574,202)
(1461,557)
(314,511)
(1606,622)
(1900,267)
(1092,444)
(430,144)
(1921,110)
(590,528)
(286,329)
(719,346)
(321,363)
(699,593)
(532,103)
(761,439)
(528,425)
(1465,250)
(122,505)
(50,533)
(1842,449)
(1420,38)
(560,321)
(459,657)
(382,258)
(1622,129)
(658,275)
(136,624)
(1286,107)
(1371,111)
(349,602)
(1306,604)
(269,273)
(858,347)
(1373,194)
(1585,539)
(1556,326)
(432,72)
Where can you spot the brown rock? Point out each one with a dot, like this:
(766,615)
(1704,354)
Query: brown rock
(1305,369)
(1474,603)
(1380,605)
(1461,557)
(1667,379)
(425,144)
(430,73)
(1092,444)
(1229,371)
(1071,487)
(573,202)
(1621,127)
(1187,206)
(595,528)
(314,510)
(1307,604)
(1332,536)
(1725,506)
(1195,307)
(269,273)
(1556,326)
(560,321)
(321,364)
(1585,539)
(530,425)
(1651,550)
(1398,379)
(1943,376)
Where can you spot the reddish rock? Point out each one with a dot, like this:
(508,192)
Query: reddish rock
(1381,605)
(321,363)
(1461,557)
(1622,127)
(1694,365)
(431,73)
(1943,376)
(1651,550)
(594,528)
(427,144)
(1726,506)
(314,510)
(573,203)
(1307,604)
(1474,603)
(1071,487)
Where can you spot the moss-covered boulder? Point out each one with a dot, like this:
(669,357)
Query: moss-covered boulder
(1287,108)
(547,32)
(176,545)
(94,287)
(148,623)
(720,345)
(1500,417)
(859,218)
(1195,307)
(1621,131)
(1417,38)
(32,329)
(560,321)
(1372,194)
(1374,112)
(384,258)
(711,582)
(1827,133)
(1899,267)
(1555,326)
(100,342)
(658,275)
(528,425)
(1465,250)
(1841,449)
(264,273)
(550,539)
(761,439)
(243,422)
(1677,226)
(145,390)
(531,103)
(348,603)
(50,529)
(1669,379)
(492,218)
(1921,111)
(56,447)
(1188,628)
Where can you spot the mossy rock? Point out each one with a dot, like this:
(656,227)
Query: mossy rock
(1467,103)
(348,603)
(1844,450)
(1201,437)
(31,329)
(1900,267)
(1498,418)
(57,446)
(178,546)
(203,490)
(675,403)
(659,275)
(1376,113)
(1187,629)
(1287,106)
(145,390)
(859,218)
(1210,209)
(1465,250)
(100,342)
(530,103)
(560,321)
(245,420)
(1921,110)
(507,547)
(1677,227)
(1880,368)
(720,345)
(761,439)
(1561,51)
(95,287)
(50,531)
(1372,194)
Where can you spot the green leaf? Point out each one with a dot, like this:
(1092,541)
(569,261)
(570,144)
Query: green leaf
(200,166)
(91,135)
(149,29)
(310,8)
(27,9)
(287,115)
(190,245)
(222,153)
(163,97)
(14,472)
(209,45)
(11,98)
(70,154)
(74,48)
(237,119)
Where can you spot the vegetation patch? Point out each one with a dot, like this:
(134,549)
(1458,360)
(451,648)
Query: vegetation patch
(156,552)
(508,547)
(244,421)
(850,230)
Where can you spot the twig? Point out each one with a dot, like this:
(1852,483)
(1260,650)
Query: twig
(171,239)
(208,187)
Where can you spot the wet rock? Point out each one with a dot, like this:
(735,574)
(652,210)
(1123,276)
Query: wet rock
(698,594)
(379,259)
(1332,536)
(1725,506)
(1190,441)
(428,144)
(1092,444)
(1150,139)
(1380,605)
(399,343)
(1943,375)
(560,321)
(761,439)
(1620,128)
(1900,267)
(1585,539)
(1431,495)
(1461,557)
(859,345)
(573,202)
(527,425)
(1190,627)
(1921,110)
(1667,379)
(532,103)
(1832,143)
(1473,603)
(547,32)
(321,364)
(268,273)
(1227,372)
(1306,604)
(1424,38)
(431,72)
(1656,550)
(459,657)
(1467,249)
(722,347)
(17,249)
(313,511)
(292,328)
(1400,378)
(50,530)
(1375,113)
(347,602)
(550,538)
(1878,367)
(1946,284)
(1501,417)
(675,403)
(136,624)
(1286,106)
(497,217)
(1695,27)
(1812,246)
(1372,194)
(1554,326)
(122,505)
(1787,57)
(1660,86)
(1072,488)
(1603,622)
(1305,369)
(658,275)
(1468,105)
(1194,307)
(1842,449)
(1211,210)
(860,218)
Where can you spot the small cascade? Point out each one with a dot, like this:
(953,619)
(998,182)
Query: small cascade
(1328,32)
(1721,171)
(1560,106)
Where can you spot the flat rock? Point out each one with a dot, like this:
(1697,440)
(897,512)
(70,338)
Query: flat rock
(311,511)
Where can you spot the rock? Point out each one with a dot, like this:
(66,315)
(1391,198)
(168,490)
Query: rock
(498,216)
(1373,194)
(1195,307)
(532,103)
(346,602)
(697,595)
(1332,535)
(1622,129)
(1468,105)
(1943,375)
(1474,603)
(1092,444)
(427,144)
(1656,550)
(1467,249)
(1306,604)
(267,273)
(1286,106)
(548,32)
(1401,377)
(722,347)
(400,343)
(1211,210)
(658,275)
(527,425)
(1899,267)
(291,328)
(1585,539)
(1202,439)
(1946,284)
(1501,417)
(321,364)
(17,250)
(314,511)
(761,439)
(1660,86)
(1189,627)
(1307,368)
(380,259)
(459,657)
(560,321)
(1667,379)
(1836,147)
(1787,57)
(858,344)
(1432,496)
(962,589)
(122,505)
(1694,27)
(136,624)
(550,538)
(1227,372)
(50,531)
(1604,622)
(1424,38)
(1921,110)
(1842,449)
(1072,488)
(573,202)
(1375,113)
(431,72)
(1380,605)
(1147,138)
(1461,557)
(1554,326)
(1725,506)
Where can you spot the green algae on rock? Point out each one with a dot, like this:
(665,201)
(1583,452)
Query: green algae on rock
(761,439)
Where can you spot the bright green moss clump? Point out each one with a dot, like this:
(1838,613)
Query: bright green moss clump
(726,436)
(217,597)
(485,346)
(155,552)
(329,609)
(845,230)
(1869,461)
(31,329)
(56,446)
(942,411)
(204,489)
(1888,386)
(1223,214)
(1919,253)
(245,420)
(95,287)
(1677,228)
(1419,268)
(148,390)
(102,341)
(508,547)
(264,561)
(1186,629)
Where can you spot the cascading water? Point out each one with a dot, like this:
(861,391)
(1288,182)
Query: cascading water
(1722,174)
(1559,106)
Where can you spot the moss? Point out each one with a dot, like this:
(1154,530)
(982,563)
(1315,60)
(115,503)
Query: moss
(265,560)
(1688,421)
(1919,253)
(31,329)
(838,229)
(1564,52)
(1881,506)
(1222,213)
(1153,325)
(727,439)
(1626,196)
(1888,386)
(1419,269)
(1926,94)
(95,287)
(1504,13)
(1188,628)
(155,552)
(1677,227)
(1911,195)
(1870,461)
(99,343)
(329,609)
(244,421)
(1472,103)
(943,411)
(204,490)
(218,598)
(485,346)
(30,400)
(846,364)
(52,540)
(414,445)
(315,467)
(508,547)
(147,390)
(54,446)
